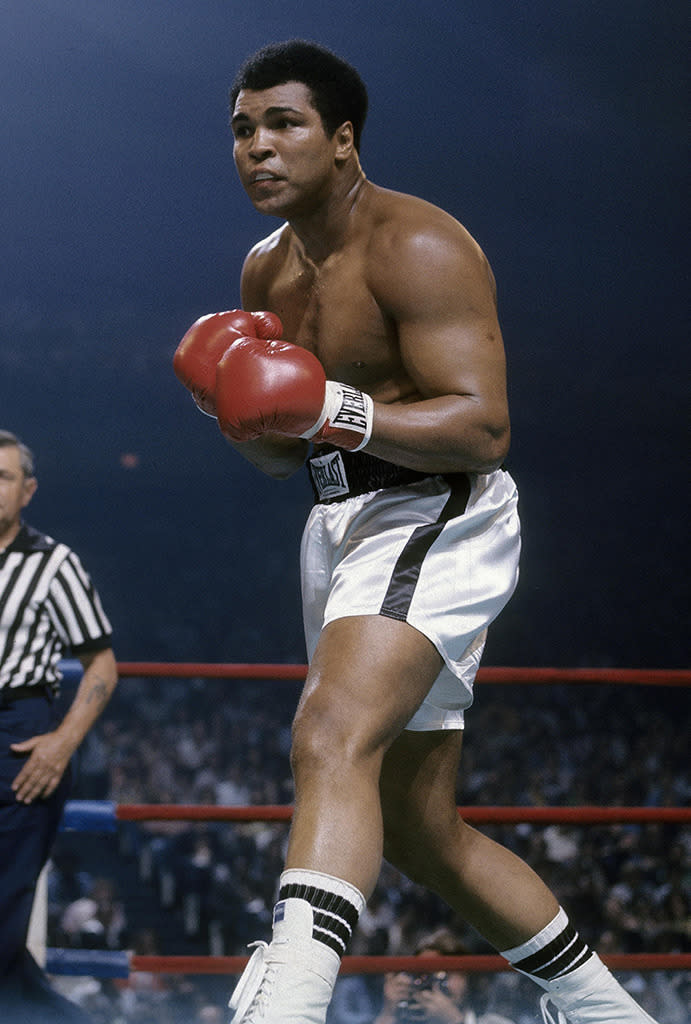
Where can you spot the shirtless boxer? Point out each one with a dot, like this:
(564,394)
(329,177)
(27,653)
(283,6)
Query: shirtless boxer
(392,386)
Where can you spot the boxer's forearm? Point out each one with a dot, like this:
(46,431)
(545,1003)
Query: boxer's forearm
(274,454)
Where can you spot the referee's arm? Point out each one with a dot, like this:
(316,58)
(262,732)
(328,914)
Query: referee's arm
(50,753)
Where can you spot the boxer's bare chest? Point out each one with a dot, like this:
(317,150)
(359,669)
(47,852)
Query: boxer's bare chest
(329,309)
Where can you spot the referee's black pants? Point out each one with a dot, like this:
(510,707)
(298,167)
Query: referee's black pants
(27,833)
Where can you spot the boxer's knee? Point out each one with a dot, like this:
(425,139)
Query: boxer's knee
(328,739)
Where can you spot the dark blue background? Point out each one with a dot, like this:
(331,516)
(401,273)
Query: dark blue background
(555,131)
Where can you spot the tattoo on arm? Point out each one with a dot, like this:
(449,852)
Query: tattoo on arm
(99,691)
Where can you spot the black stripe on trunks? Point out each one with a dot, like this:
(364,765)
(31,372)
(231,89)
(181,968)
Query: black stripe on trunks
(406,573)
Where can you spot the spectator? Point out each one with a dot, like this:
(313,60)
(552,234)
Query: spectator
(441,997)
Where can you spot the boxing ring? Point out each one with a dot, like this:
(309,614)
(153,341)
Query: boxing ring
(103,816)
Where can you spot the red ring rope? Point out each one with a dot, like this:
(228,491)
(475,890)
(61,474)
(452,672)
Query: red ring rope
(626,676)
(382,964)
(497,815)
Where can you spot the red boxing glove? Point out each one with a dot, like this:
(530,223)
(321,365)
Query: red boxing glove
(266,325)
(205,342)
(264,385)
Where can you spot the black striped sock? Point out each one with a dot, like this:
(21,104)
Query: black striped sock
(335,916)
(554,952)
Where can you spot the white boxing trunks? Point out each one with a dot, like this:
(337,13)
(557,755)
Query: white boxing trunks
(440,552)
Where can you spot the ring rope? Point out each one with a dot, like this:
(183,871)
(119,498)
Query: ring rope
(103,815)
(107,964)
(72,670)
(502,674)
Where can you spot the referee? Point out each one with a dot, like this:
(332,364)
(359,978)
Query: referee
(47,605)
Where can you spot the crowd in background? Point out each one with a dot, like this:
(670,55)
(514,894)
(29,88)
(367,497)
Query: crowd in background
(208,888)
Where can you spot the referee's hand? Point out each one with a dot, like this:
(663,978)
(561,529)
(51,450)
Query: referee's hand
(40,775)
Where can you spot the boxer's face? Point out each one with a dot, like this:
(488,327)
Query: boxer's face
(284,158)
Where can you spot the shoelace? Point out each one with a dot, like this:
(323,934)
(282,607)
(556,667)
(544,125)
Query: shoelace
(255,1013)
(251,979)
(547,1014)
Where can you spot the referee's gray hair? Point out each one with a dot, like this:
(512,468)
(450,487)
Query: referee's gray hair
(26,456)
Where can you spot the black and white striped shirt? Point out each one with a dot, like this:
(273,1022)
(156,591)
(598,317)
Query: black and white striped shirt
(47,604)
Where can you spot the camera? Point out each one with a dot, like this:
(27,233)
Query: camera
(409,1010)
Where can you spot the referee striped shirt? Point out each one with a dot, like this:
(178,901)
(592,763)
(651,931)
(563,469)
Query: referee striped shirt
(47,604)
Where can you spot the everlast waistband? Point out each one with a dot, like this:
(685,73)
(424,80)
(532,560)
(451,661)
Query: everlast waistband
(337,474)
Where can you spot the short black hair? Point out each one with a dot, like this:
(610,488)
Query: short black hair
(338,92)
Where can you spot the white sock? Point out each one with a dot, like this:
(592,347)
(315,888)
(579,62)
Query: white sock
(336,904)
(555,951)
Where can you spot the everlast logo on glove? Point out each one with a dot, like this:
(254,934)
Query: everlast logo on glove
(346,417)
(353,411)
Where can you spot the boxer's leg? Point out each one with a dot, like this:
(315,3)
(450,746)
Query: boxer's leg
(490,887)
(368,676)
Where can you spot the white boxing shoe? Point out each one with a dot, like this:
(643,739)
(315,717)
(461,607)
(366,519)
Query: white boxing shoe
(591,995)
(291,980)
